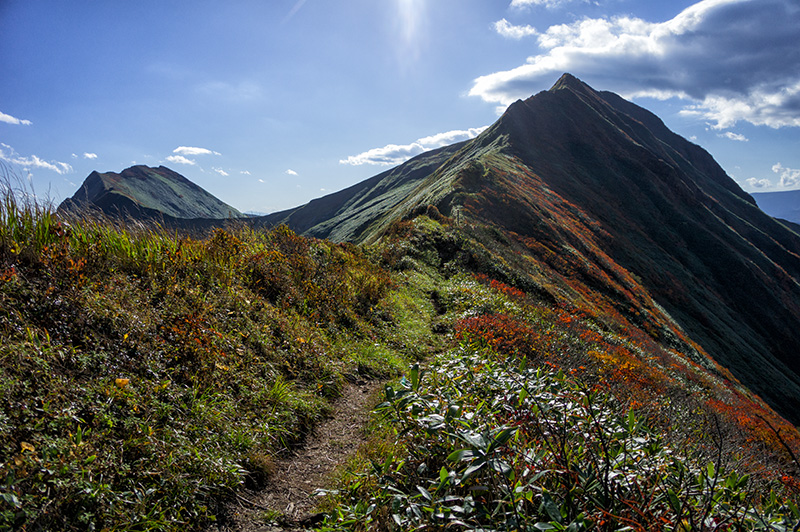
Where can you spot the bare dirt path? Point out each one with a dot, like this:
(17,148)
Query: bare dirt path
(290,490)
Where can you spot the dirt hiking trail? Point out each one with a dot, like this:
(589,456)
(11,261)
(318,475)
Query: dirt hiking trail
(290,489)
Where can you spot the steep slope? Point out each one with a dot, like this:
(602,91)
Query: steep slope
(348,214)
(614,212)
(149,193)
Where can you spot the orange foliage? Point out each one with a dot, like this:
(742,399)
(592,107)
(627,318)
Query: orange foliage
(499,332)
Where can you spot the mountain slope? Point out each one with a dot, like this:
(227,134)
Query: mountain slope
(614,212)
(347,214)
(149,193)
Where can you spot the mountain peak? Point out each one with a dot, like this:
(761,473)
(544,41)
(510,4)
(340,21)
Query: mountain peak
(568,81)
(144,192)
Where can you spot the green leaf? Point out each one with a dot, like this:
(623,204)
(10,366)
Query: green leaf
(523,394)
(502,437)
(674,502)
(11,499)
(414,375)
(459,455)
(471,470)
(551,508)
(425,493)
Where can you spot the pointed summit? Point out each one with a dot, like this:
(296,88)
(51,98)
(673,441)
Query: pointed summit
(568,81)
(148,193)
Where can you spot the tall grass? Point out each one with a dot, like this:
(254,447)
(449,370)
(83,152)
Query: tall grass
(146,375)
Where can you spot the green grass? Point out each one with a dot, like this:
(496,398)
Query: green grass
(145,376)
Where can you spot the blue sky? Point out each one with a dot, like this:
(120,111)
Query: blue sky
(270,104)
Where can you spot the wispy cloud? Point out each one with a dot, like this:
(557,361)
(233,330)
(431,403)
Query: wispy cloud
(506,29)
(191,150)
(244,172)
(8,119)
(290,172)
(9,154)
(731,60)
(88,155)
(394,154)
(220,171)
(292,12)
(734,136)
(546,3)
(241,92)
(180,159)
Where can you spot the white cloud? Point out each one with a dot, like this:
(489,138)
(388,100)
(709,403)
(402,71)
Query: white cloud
(260,180)
(9,154)
(220,171)
(87,155)
(180,159)
(8,119)
(547,3)
(759,183)
(290,172)
(734,136)
(506,29)
(191,150)
(394,154)
(244,172)
(789,177)
(733,60)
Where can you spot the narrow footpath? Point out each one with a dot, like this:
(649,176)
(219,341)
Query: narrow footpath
(289,492)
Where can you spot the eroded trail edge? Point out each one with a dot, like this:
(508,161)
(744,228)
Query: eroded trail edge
(287,501)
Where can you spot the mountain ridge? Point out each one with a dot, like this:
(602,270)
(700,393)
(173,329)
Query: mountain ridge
(623,212)
(591,201)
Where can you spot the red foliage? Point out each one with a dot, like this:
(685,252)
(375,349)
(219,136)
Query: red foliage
(499,332)
(509,291)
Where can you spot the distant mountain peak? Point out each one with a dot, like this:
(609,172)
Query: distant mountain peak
(144,192)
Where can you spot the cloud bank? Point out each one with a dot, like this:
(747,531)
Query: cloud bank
(394,154)
(733,60)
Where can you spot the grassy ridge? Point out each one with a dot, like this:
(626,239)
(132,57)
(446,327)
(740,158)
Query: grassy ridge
(143,376)
(549,417)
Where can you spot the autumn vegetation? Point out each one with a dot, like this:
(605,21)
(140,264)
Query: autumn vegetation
(148,375)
